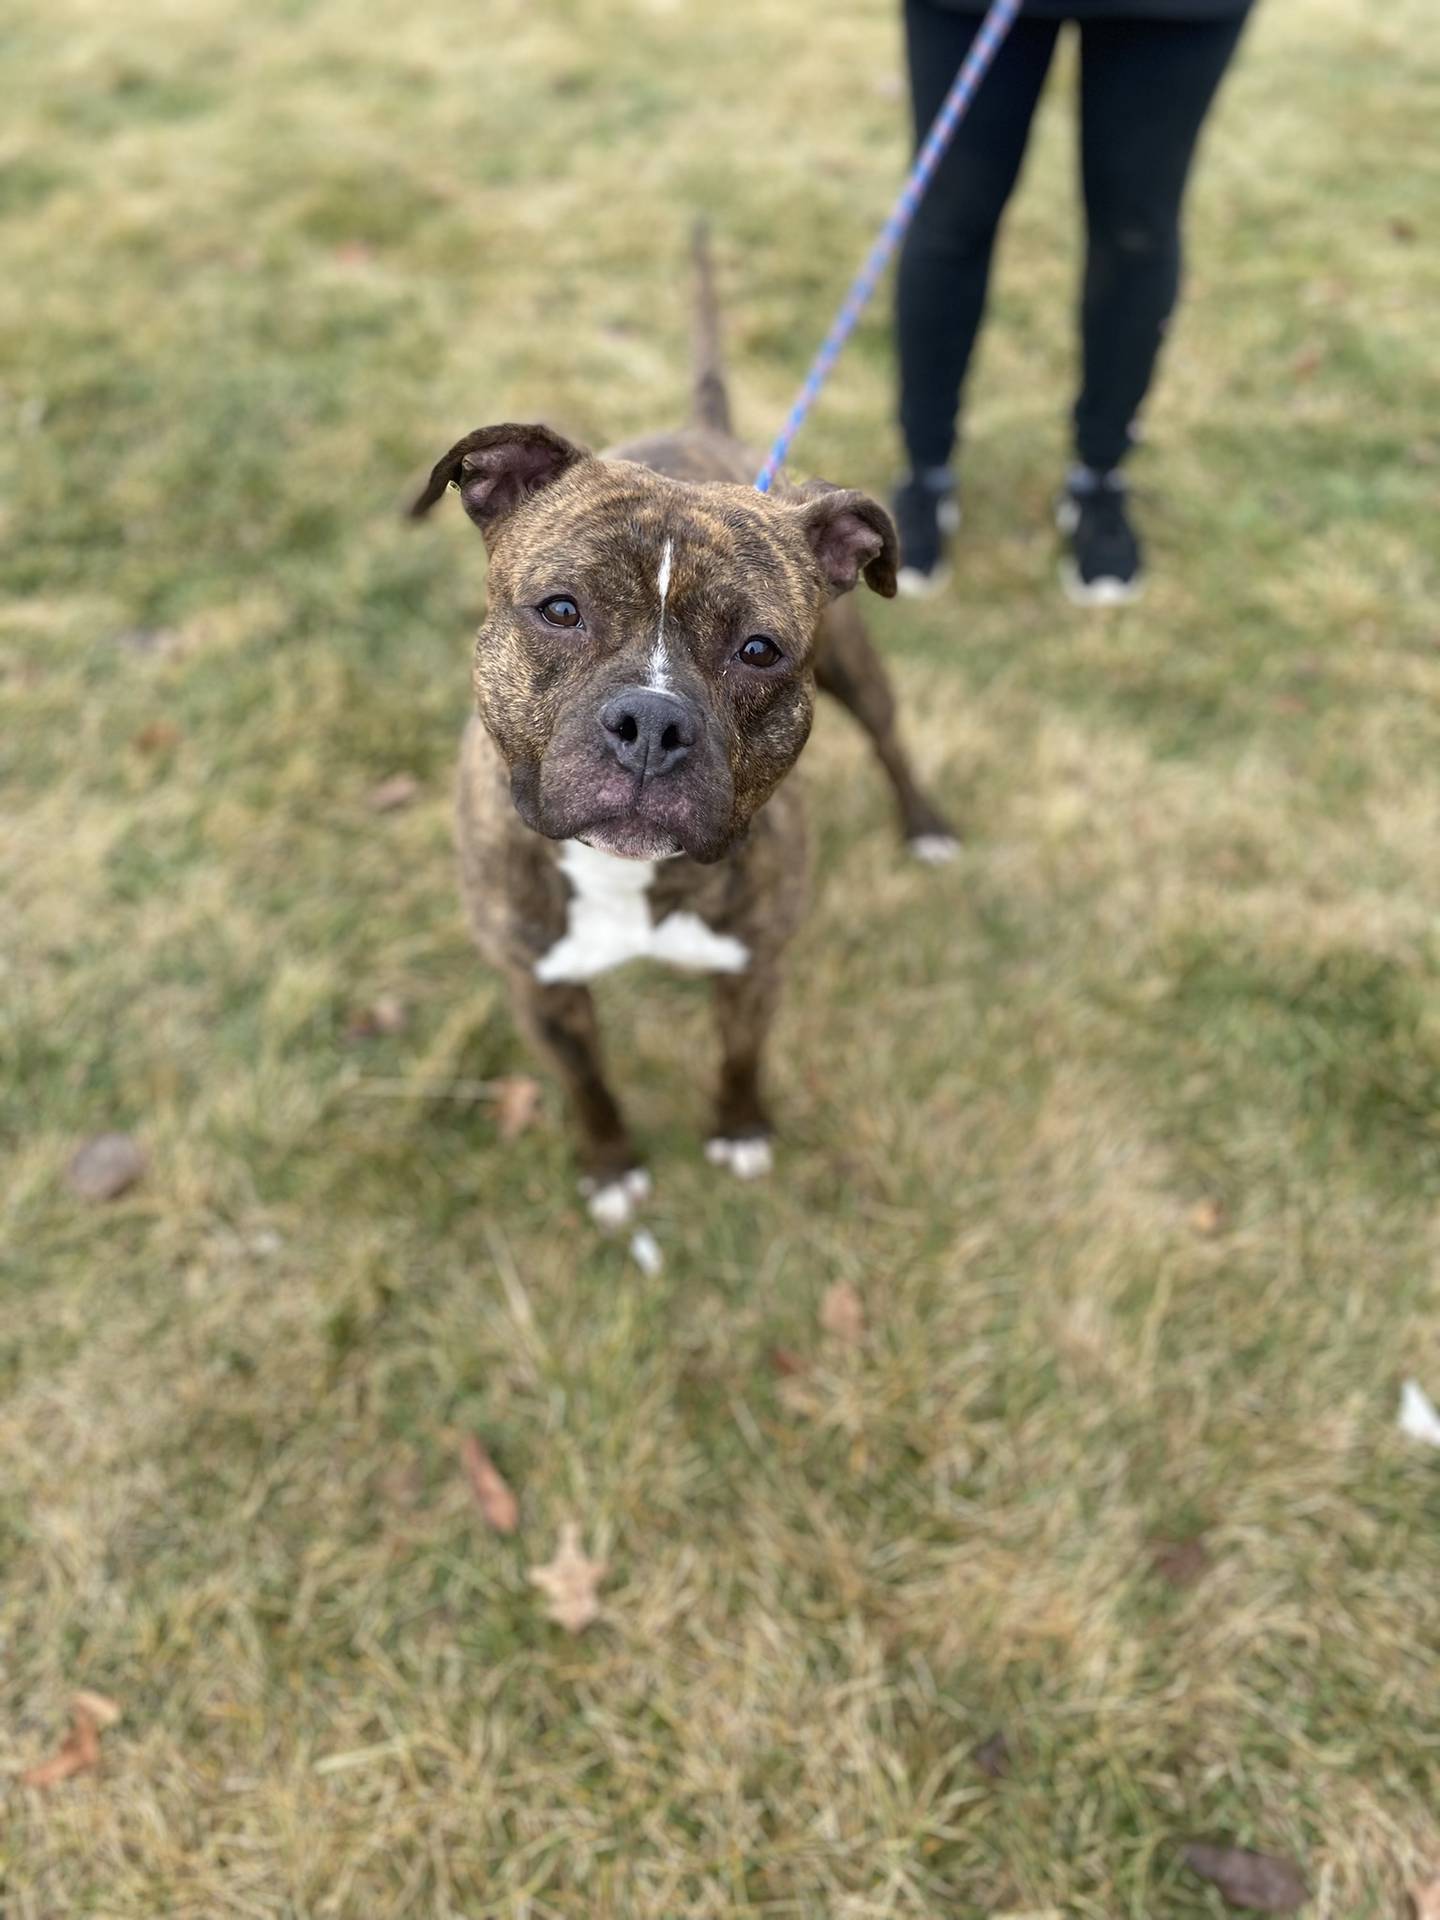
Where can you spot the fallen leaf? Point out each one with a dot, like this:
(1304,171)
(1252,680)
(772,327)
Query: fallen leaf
(992,1756)
(1404,230)
(1425,1898)
(1307,361)
(80,1750)
(1418,1418)
(569,1582)
(105,1166)
(493,1497)
(786,1362)
(517,1100)
(1255,1882)
(1181,1563)
(384,1016)
(101,1708)
(388,796)
(842,1312)
(158,737)
(1206,1216)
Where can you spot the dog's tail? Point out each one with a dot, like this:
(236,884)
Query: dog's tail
(710,403)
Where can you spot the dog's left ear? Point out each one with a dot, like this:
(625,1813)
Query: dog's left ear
(850,533)
(496,468)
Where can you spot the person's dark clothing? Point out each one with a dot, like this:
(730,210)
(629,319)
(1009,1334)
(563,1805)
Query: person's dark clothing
(1145,86)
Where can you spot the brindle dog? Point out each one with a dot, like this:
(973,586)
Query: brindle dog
(644,680)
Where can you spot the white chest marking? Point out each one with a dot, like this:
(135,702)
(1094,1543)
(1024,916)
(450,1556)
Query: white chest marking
(609,923)
(659,666)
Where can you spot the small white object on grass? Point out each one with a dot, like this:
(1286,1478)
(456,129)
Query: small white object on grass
(1418,1418)
(645,1251)
(935,849)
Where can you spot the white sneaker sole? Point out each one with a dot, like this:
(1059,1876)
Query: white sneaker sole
(912,584)
(1106,591)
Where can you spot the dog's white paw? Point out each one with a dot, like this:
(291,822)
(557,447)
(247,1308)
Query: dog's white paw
(935,849)
(614,1204)
(748,1159)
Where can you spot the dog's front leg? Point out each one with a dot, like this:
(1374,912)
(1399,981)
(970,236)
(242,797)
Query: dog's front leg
(745,1007)
(560,1020)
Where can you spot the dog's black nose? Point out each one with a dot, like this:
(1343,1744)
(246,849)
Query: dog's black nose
(649,732)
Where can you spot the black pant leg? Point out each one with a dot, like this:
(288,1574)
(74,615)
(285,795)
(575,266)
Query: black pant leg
(1145,88)
(945,263)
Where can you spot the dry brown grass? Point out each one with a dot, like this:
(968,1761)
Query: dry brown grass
(1125,1131)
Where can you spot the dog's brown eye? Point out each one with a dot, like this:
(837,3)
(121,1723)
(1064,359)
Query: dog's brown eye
(760,652)
(560,610)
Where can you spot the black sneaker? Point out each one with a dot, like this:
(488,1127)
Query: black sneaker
(1104,568)
(926,515)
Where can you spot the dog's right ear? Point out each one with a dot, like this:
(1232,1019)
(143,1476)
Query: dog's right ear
(496,468)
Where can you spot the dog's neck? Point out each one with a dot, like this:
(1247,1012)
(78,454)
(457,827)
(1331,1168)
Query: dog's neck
(609,923)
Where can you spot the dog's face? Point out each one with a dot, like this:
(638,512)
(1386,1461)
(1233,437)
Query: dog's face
(645,664)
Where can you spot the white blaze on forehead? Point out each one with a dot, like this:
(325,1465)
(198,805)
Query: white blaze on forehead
(659,665)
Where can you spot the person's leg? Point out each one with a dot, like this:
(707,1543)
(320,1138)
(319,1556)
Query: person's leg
(1145,88)
(945,261)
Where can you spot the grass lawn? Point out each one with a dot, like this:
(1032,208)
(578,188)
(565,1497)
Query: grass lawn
(1125,1130)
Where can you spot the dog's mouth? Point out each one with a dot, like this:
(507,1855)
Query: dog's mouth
(573,796)
(631,839)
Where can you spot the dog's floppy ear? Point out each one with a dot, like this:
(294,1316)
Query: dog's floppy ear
(495,469)
(850,533)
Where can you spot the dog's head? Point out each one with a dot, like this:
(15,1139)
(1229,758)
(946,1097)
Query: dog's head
(645,664)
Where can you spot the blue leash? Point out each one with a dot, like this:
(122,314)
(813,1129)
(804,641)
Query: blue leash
(983,48)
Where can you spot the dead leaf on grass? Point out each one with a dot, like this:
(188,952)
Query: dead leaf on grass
(1308,361)
(104,1711)
(842,1312)
(1425,1899)
(385,1016)
(517,1101)
(1254,1882)
(493,1497)
(389,795)
(1181,1563)
(80,1750)
(106,1166)
(786,1362)
(570,1582)
(1207,1217)
(992,1756)
(158,737)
